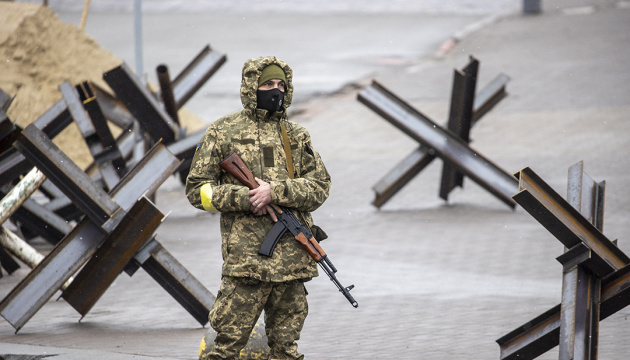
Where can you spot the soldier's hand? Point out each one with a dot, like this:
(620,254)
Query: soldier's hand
(271,209)
(260,201)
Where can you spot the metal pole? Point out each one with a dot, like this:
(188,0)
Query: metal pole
(23,251)
(86,7)
(20,192)
(9,204)
(137,12)
(531,6)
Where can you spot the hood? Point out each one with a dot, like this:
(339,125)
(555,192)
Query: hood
(249,82)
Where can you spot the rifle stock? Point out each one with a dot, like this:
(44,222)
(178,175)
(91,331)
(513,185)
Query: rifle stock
(235,166)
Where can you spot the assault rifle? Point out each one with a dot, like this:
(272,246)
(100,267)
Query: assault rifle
(235,166)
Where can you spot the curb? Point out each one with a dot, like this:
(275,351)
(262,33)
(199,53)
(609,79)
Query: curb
(450,43)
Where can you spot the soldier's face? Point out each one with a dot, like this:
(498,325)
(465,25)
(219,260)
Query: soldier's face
(272,84)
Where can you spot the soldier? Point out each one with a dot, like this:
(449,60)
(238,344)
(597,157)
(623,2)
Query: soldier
(290,174)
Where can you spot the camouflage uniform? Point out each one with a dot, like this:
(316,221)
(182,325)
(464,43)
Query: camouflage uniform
(256,136)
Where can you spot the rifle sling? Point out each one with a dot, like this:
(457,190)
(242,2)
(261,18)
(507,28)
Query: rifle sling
(287,150)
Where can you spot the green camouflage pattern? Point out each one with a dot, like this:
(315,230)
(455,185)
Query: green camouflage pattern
(256,136)
(285,309)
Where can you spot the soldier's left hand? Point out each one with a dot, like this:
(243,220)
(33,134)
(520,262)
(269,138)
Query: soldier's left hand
(260,201)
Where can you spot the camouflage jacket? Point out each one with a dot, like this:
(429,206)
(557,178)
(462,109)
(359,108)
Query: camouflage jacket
(256,136)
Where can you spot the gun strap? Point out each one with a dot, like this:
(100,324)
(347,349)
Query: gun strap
(287,150)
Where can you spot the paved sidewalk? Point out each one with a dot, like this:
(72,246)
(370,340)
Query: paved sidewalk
(433,280)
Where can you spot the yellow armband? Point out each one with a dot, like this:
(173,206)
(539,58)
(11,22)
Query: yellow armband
(206,198)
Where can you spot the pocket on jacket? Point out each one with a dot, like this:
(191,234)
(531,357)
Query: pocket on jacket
(218,310)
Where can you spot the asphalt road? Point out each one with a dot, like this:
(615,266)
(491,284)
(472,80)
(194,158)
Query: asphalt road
(433,279)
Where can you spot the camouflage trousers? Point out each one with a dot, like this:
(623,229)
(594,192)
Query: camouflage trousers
(238,306)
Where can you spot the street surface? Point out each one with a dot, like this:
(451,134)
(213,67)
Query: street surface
(433,280)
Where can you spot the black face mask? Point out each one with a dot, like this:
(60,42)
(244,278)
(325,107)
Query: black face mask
(270,100)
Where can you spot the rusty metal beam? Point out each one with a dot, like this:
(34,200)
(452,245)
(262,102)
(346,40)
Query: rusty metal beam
(579,314)
(113,109)
(542,333)
(66,175)
(88,131)
(195,75)
(445,144)
(415,162)
(109,260)
(460,120)
(489,97)
(402,173)
(565,222)
(110,152)
(596,274)
(52,122)
(586,195)
(78,246)
(141,103)
(581,289)
(184,149)
(176,280)
(166,92)
(40,284)
(533,338)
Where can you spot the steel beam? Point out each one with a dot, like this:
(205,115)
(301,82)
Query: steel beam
(88,131)
(184,149)
(532,339)
(166,92)
(8,132)
(402,173)
(7,262)
(444,143)
(586,195)
(460,120)
(415,162)
(195,75)
(542,333)
(579,320)
(596,274)
(36,220)
(113,109)
(489,96)
(59,203)
(110,152)
(109,260)
(565,222)
(5,101)
(176,280)
(141,103)
(40,284)
(52,122)
(579,327)
(82,242)
(68,177)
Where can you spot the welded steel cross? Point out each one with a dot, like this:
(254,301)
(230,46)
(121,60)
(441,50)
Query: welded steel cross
(596,273)
(450,144)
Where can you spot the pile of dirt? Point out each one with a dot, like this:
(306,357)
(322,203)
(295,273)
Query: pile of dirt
(39,52)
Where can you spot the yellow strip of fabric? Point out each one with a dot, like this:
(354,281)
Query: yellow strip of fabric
(287,150)
(206,198)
